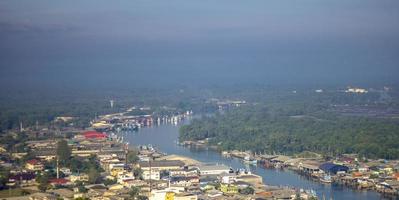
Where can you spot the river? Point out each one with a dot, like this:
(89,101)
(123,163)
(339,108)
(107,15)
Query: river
(164,138)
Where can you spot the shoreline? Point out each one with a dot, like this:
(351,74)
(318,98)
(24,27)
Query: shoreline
(352,184)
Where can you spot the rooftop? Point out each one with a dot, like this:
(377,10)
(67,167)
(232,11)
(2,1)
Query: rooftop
(162,163)
(213,167)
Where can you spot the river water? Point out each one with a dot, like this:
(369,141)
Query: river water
(164,138)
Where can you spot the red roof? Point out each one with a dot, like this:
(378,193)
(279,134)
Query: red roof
(94,134)
(33,162)
(58,181)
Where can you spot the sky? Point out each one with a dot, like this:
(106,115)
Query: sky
(139,43)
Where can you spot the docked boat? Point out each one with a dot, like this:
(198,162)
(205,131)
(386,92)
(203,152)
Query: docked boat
(326,179)
(126,127)
(249,160)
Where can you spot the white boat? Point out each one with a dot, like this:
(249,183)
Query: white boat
(248,160)
(326,179)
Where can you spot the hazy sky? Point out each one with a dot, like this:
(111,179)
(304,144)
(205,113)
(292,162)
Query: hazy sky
(138,42)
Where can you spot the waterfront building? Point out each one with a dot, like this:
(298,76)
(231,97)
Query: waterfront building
(213,169)
(228,178)
(332,168)
(183,172)
(309,167)
(161,165)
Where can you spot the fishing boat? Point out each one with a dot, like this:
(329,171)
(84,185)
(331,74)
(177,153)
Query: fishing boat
(249,160)
(326,179)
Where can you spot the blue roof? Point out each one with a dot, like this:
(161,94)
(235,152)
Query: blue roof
(333,168)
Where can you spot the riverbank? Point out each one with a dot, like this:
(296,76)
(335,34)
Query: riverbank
(374,175)
(164,137)
(210,180)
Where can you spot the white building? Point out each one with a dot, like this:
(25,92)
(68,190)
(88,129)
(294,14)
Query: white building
(228,178)
(213,169)
(154,175)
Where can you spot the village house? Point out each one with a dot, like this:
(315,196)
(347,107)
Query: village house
(121,178)
(154,175)
(107,161)
(2,149)
(96,190)
(172,193)
(205,180)
(144,158)
(22,179)
(133,183)
(59,182)
(42,196)
(66,171)
(363,168)
(185,196)
(82,177)
(184,181)
(183,172)
(41,144)
(47,154)
(65,194)
(227,178)
(118,168)
(228,189)
(214,194)
(18,155)
(34,165)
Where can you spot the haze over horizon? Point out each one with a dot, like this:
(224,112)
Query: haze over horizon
(180,42)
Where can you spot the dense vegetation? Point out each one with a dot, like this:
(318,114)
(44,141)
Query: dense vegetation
(275,119)
(289,128)
(42,107)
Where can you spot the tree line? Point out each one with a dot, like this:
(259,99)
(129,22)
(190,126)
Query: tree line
(294,129)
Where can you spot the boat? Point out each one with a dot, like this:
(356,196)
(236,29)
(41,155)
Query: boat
(249,160)
(126,127)
(226,154)
(326,179)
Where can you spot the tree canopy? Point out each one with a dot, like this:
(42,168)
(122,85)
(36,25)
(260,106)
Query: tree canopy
(63,152)
(268,130)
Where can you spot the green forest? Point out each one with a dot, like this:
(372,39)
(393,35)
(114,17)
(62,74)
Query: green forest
(267,129)
(29,107)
